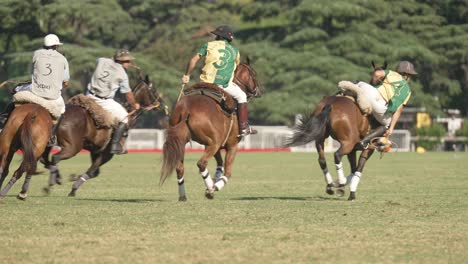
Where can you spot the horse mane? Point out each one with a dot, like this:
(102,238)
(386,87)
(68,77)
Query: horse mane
(101,118)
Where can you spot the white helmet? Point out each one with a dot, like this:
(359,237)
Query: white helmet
(51,40)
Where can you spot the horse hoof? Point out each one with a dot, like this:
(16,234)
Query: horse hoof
(182,198)
(329,190)
(209,194)
(46,190)
(22,197)
(72,194)
(58,180)
(352,196)
(341,190)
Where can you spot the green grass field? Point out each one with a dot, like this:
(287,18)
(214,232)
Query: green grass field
(410,208)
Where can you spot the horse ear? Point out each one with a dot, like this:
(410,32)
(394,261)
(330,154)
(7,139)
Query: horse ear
(373,64)
(385,65)
(147,78)
(248,60)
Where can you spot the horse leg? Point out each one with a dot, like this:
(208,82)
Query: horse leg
(16,176)
(230,157)
(66,152)
(323,165)
(98,159)
(344,149)
(202,167)
(352,163)
(5,166)
(24,190)
(219,165)
(181,181)
(365,155)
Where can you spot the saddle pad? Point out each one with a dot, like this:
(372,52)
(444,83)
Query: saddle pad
(101,117)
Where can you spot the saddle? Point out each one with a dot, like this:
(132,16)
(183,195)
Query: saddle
(102,119)
(25,97)
(225,100)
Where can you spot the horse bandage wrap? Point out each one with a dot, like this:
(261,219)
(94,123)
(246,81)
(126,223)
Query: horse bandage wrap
(23,97)
(361,99)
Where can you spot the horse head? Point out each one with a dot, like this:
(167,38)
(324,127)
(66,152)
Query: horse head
(378,73)
(146,95)
(246,78)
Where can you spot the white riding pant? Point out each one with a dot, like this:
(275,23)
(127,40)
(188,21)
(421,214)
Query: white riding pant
(236,92)
(59,103)
(379,106)
(112,107)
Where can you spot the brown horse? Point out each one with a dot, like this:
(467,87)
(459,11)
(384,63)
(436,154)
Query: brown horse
(27,129)
(77,130)
(340,118)
(200,118)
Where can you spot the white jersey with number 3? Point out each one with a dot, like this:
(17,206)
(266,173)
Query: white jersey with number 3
(50,70)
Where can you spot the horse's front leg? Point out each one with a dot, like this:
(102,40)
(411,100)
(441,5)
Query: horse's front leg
(323,165)
(231,152)
(66,152)
(97,159)
(203,169)
(219,165)
(365,155)
(5,166)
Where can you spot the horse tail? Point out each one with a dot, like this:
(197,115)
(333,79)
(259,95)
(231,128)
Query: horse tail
(174,148)
(310,128)
(29,163)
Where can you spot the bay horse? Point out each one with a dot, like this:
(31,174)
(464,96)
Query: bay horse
(28,129)
(341,118)
(77,130)
(200,118)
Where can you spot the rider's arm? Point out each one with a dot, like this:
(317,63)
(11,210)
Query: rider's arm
(395,118)
(65,84)
(190,66)
(131,100)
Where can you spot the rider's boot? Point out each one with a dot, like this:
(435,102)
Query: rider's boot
(53,135)
(118,136)
(379,131)
(245,129)
(6,114)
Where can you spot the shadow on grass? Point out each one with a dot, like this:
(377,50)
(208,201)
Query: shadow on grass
(118,200)
(315,198)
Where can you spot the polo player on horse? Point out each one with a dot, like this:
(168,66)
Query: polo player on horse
(221,60)
(50,74)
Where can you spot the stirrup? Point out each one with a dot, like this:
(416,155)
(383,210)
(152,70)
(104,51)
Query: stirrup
(248,131)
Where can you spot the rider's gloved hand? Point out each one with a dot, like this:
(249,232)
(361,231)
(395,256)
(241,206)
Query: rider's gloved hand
(185,79)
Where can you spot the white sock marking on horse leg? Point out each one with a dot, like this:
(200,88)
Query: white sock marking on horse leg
(328,177)
(207,179)
(355,181)
(341,177)
(220,184)
(181,183)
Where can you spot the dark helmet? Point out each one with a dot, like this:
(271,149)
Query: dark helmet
(406,67)
(224,32)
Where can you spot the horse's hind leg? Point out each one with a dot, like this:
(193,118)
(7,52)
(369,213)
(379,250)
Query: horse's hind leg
(352,164)
(203,169)
(219,165)
(5,166)
(66,152)
(344,149)
(181,181)
(16,176)
(24,190)
(319,144)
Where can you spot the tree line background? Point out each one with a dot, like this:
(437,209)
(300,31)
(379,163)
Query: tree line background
(300,49)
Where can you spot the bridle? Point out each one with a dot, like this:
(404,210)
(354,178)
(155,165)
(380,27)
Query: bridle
(255,92)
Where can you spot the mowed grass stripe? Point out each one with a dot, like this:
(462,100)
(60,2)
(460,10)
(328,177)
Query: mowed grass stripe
(410,208)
